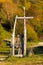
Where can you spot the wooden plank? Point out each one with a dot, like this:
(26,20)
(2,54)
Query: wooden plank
(20,55)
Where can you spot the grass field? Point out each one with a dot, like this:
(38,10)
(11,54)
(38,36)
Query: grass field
(35,59)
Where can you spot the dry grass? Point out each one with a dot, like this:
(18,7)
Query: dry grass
(22,63)
(34,60)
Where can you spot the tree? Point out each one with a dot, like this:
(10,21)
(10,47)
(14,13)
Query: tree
(31,34)
(9,11)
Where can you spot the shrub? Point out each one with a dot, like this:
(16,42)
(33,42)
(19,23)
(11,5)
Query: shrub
(31,34)
(4,34)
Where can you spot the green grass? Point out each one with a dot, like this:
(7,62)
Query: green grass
(4,48)
(29,44)
(27,60)
(34,60)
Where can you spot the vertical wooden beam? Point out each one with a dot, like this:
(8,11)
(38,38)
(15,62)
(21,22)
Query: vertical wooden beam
(24,33)
(13,37)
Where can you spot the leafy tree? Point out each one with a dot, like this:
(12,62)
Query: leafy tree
(31,34)
(8,11)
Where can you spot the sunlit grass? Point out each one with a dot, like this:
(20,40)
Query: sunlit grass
(34,60)
(29,44)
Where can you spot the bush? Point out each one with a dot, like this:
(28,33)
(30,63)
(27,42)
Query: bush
(4,34)
(31,34)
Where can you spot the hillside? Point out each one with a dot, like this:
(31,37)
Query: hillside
(8,12)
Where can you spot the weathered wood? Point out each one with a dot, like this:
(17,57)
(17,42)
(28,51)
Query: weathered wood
(39,44)
(20,55)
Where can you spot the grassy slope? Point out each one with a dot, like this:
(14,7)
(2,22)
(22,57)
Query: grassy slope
(3,35)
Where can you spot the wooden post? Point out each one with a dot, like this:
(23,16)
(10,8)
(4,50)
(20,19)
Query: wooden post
(13,38)
(24,33)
